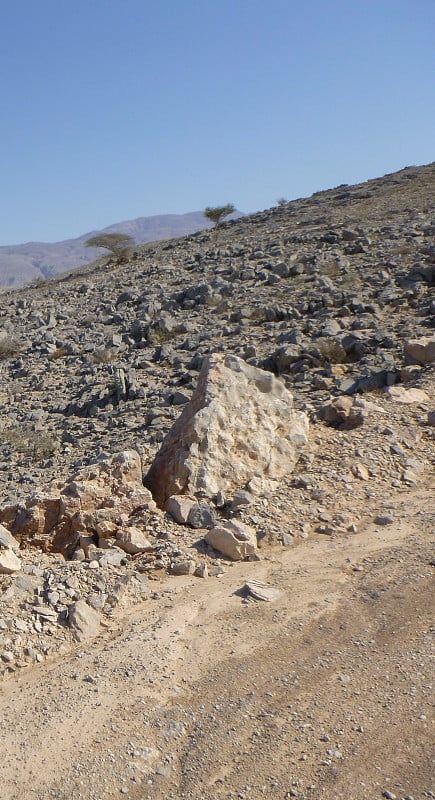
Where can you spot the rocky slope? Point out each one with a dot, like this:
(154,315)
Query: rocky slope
(22,263)
(304,670)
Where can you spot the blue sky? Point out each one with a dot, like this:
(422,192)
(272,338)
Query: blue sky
(116,109)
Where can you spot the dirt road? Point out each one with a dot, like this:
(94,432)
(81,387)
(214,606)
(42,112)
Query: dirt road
(323,693)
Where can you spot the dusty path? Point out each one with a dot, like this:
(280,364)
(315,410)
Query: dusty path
(323,693)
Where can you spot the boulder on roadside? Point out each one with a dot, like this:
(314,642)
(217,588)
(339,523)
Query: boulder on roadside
(235,540)
(239,424)
(83,621)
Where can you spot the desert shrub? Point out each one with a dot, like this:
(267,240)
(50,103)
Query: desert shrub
(331,350)
(102,355)
(9,346)
(36,445)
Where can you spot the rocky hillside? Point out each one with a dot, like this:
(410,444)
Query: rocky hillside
(22,263)
(235,604)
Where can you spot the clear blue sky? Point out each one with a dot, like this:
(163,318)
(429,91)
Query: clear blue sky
(116,109)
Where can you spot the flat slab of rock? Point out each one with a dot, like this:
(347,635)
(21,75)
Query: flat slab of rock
(401,395)
(261,591)
(239,425)
(235,540)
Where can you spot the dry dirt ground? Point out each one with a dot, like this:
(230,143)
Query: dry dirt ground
(324,693)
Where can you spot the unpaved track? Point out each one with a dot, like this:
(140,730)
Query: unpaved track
(324,693)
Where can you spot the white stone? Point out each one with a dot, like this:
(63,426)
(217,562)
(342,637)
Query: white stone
(235,540)
(401,395)
(83,621)
(421,351)
(7,540)
(132,540)
(9,562)
(179,506)
(240,424)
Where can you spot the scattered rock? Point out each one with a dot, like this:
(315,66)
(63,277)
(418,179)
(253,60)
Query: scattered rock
(179,506)
(401,395)
(202,515)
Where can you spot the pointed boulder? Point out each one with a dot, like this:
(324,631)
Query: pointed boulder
(239,428)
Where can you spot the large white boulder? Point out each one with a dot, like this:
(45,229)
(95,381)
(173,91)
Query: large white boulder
(239,427)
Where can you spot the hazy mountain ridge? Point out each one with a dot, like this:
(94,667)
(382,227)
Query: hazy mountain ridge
(23,263)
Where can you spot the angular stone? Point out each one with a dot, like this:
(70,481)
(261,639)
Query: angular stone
(183,566)
(9,562)
(261,591)
(178,506)
(360,471)
(421,351)
(235,540)
(132,540)
(7,540)
(202,515)
(240,423)
(83,620)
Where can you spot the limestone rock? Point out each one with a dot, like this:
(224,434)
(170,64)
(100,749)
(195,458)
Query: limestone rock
(9,562)
(178,506)
(261,591)
(98,499)
(183,566)
(421,351)
(132,540)
(83,620)
(7,540)
(239,424)
(234,540)
(401,395)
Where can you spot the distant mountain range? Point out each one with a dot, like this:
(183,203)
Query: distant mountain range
(22,263)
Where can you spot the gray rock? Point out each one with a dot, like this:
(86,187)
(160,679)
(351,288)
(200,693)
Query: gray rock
(202,515)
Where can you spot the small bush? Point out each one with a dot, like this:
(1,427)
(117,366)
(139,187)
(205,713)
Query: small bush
(36,445)
(10,346)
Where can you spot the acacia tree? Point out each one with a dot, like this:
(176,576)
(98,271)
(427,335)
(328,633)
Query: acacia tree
(118,244)
(217,214)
